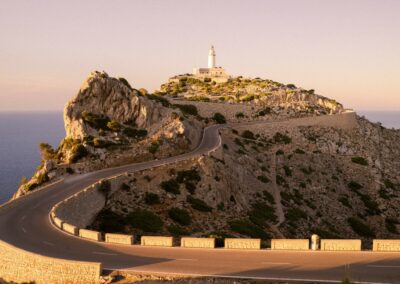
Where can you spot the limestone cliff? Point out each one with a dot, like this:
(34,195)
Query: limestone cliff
(109,123)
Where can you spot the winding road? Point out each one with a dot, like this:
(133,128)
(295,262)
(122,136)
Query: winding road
(25,224)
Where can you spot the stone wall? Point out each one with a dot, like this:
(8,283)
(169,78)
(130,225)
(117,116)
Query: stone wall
(17,265)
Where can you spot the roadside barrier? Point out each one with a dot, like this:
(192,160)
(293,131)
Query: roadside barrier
(119,239)
(386,245)
(156,241)
(70,229)
(290,244)
(187,242)
(89,234)
(243,243)
(340,245)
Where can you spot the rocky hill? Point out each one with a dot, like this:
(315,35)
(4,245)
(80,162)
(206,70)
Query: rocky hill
(292,163)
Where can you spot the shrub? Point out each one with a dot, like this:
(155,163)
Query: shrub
(153,147)
(125,82)
(198,204)
(239,115)
(188,175)
(262,213)
(280,180)
(78,152)
(219,118)
(248,135)
(265,111)
(360,227)
(151,198)
(187,109)
(95,121)
(282,138)
(299,151)
(134,133)
(280,152)
(191,187)
(221,206)
(269,197)
(145,220)
(124,187)
(295,214)
(263,179)
(104,187)
(47,152)
(345,201)
(245,227)
(171,186)
(360,161)
(199,98)
(114,126)
(354,186)
(110,222)
(180,216)
(158,99)
(177,230)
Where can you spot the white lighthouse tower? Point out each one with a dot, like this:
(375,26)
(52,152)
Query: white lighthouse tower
(211,57)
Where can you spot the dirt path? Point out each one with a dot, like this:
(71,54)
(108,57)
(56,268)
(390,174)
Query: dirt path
(277,197)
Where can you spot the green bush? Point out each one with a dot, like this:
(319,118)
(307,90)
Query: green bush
(95,121)
(198,204)
(239,115)
(265,111)
(248,135)
(345,201)
(354,186)
(177,230)
(69,170)
(114,126)
(78,152)
(188,175)
(219,118)
(360,161)
(299,151)
(181,216)
(124,187)
(110,222)
(360,228)
(145,220)
(279,152)
(247,228)
(171,186)
(282,138)
(263,179)
(42,178)
(269,197)
(187,109)
(151,198)
(262,213)
(295,214)
(47,152)
(288,171)
(153,147)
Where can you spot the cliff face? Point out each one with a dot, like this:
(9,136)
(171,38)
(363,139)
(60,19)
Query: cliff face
(108,123)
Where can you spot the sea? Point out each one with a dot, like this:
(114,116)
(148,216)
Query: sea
(21,133)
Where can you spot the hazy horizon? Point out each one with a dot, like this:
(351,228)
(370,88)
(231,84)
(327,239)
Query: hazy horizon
(344,50)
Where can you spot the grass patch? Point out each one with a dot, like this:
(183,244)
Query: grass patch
(219,118)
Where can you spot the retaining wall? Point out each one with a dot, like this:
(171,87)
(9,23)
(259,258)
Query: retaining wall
(336,245)
(290,244)
(243,243)
(17,265)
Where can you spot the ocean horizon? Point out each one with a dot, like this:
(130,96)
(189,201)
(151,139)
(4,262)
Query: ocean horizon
(21,133)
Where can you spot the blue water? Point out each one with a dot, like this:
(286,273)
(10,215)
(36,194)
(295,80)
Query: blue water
(20,135)
(21,132)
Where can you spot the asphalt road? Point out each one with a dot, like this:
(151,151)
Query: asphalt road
(26,225)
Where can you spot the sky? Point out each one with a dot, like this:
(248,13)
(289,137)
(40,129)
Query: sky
(345,50)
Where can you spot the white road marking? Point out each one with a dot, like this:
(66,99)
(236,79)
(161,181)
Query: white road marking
(104,253)
(385,266)
(186,259)
(48,243)
(276,263)
(23,230)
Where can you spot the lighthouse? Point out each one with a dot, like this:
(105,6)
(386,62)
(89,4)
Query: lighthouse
(216,74)
(211,57)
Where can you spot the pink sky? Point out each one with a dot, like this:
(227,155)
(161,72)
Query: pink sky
(346,50)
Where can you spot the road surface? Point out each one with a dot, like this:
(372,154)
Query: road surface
(26,225)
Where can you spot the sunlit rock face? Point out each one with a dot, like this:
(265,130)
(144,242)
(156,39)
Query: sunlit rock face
(105,96)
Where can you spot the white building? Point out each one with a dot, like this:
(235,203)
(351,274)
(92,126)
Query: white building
(216,74)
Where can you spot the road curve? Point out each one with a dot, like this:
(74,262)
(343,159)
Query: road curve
(25,224)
